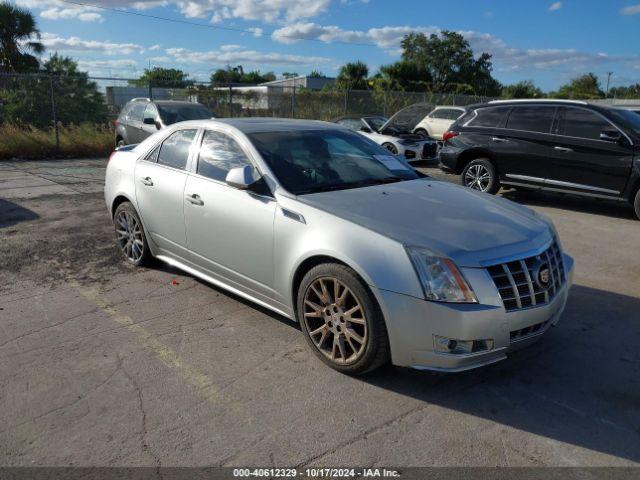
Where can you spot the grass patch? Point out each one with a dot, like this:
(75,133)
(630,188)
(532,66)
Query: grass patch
(84,140)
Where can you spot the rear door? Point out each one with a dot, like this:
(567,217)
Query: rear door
(526,143)
(581,160)
(160,180)
(134,122)
(150,111)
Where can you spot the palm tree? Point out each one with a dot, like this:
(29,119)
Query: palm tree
(353,76)
(19,38)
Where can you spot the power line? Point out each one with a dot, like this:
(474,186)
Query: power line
(213,27)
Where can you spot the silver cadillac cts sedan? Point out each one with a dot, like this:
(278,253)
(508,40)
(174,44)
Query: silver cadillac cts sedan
(375,261)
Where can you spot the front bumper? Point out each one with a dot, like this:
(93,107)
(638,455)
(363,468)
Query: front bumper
(420,151)
(413,323)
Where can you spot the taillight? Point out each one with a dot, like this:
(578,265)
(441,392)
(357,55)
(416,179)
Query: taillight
(116,122)
(449,135)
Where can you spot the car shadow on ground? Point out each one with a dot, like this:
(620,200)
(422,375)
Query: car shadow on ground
(579,385)
(12,214)
(539,198)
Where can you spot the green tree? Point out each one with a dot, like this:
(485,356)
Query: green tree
(289,74)
(76,98)
(19,38)
(238,75)
(316,74)
(630,91)
(402,75)
(523,89)
(353,76)
(162,78)
(450,63)
(584,87)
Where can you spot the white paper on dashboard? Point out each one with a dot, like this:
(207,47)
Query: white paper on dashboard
(392,163)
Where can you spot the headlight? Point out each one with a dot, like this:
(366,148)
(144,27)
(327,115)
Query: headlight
(441,280)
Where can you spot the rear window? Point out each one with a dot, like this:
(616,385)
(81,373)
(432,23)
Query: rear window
(531,119)
(180,113)
(489,117)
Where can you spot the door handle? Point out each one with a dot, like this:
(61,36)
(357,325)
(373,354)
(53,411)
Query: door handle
(194,199)
(562,149)
(147,181)
(498,139)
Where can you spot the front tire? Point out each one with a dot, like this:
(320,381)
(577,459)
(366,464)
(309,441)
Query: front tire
(341,320)
(480,174)
(130,236)
(636,204)
(391,147)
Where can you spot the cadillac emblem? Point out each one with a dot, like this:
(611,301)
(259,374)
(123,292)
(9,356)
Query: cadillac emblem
(544,276)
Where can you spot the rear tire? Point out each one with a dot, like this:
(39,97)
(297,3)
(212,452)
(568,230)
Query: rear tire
(341,320)
(119,142)
(636,204)
(480,174)
(130,236)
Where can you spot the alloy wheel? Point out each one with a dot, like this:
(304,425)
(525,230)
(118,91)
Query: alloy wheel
(129,236)
(335,320)
(477,177)
(391,147)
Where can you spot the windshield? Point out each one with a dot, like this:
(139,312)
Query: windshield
(406,119)
(627,118)
(180,113)
(375,122)
(311,161)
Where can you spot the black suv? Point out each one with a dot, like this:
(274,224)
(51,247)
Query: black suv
(141,117)
(566,146)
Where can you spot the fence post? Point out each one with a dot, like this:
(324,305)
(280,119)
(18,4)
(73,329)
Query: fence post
(150,90)
(293,102)
(346,101)
(53,113)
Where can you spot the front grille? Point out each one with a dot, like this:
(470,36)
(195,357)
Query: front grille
(429,150)
(518,283)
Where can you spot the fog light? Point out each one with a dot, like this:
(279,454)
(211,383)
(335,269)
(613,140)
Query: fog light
(461,347)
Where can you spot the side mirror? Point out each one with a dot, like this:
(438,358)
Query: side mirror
(365,129)
(149,121)
(610,135)
(242,178)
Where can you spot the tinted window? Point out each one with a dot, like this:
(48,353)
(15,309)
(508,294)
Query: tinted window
(531,119)
(489,117)
(582,123)
(180,113)
(311,161)
(125,111)
(175,149)
(136,112)
(627,118)
(219,153)
(376,122)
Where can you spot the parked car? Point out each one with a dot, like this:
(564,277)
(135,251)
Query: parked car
(142,117)
(566,146)
(396,140)
(438,121)
(374,260)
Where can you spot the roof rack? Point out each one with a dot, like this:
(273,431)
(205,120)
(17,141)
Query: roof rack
(539,100)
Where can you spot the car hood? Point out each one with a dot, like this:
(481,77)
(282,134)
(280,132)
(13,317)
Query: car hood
(472,228)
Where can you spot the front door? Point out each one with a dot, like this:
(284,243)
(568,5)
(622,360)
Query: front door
(229,231)
(160,180)
(582,161)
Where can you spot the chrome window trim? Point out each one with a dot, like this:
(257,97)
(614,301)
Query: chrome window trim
(144,158)
(561,183)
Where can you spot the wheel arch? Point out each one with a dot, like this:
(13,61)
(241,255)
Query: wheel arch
(117,201)
(466,157)
(306,264)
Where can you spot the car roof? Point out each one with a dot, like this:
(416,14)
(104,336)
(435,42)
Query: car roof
(263,124)
(542,101)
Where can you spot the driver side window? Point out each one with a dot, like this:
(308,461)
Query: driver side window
(219,153)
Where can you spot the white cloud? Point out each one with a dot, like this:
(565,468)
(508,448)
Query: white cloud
(155,47)
(631,10)
(241,56)
(257,32)
(555,6)
(270,11)
(106,64)
(53,42)
(505,57)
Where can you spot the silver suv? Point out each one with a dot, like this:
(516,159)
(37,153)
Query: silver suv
(325,227)
(142,117)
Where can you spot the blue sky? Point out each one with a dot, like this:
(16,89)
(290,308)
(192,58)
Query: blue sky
(548,42)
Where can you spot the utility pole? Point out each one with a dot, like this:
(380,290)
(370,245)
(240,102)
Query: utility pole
(608,80)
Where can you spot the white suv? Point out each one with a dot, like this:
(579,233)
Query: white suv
(438,121)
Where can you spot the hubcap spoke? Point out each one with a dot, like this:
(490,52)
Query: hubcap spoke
(129,236)
(328,309)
